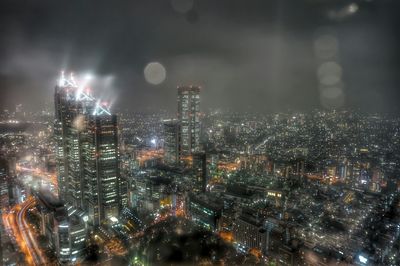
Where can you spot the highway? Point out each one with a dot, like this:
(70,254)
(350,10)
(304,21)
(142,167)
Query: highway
(22,233)
(27,232)
(10,222)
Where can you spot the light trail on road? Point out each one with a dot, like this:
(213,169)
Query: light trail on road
(44,175)
(12,226)
(27,234)
(17,226)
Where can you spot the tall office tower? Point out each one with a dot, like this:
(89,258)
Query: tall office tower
(189,117)
(172,141)
(74,174)
(101,168)
(87,153)
(72,104)
(60,101)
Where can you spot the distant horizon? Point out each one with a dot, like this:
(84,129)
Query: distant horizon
(264,54)
(224,111)
(200,132)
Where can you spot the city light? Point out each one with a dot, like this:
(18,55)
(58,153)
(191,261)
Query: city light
(200,133)
(362,259)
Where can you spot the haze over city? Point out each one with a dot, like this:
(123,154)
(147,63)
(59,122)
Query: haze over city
(199,132)
(264,51)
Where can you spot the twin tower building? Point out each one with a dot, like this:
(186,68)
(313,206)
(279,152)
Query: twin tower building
(182,135)
(87,152)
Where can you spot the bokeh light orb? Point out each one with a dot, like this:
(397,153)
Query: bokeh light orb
(79,123)
(331,93)
(329,73)
(155,73)
(332,98)
(326,46)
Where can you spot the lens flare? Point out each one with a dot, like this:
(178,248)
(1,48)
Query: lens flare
(155,73)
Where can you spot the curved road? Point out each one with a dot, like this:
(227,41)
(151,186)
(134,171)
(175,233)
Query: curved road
(27,234)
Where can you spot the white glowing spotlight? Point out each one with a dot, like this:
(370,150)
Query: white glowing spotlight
(61,80)
(67,82)
(114,219)
(100,109)
(80,94)
(362,259)
(88,77)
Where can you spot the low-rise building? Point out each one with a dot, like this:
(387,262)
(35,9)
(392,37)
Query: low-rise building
(66,233)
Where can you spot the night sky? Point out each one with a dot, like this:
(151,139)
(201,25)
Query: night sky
(247,55)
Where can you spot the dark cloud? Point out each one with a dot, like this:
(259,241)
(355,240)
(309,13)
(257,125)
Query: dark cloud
(253,54)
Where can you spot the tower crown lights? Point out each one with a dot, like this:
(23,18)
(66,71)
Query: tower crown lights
(101,109)
(67,81)
(81,94)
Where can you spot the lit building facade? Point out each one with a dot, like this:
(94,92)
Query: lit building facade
(60,126)
(189,117)
(66,233)
(87,154)
(101,169)
(200,171)
(70,238)
(72,104)
(248,233)
(172,142)
(205,212)
(4,188)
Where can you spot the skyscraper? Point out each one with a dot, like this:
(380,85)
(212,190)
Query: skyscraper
(60,102)
(100,167)
(172,142)
(189,118)
(87,152)
(72,104)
